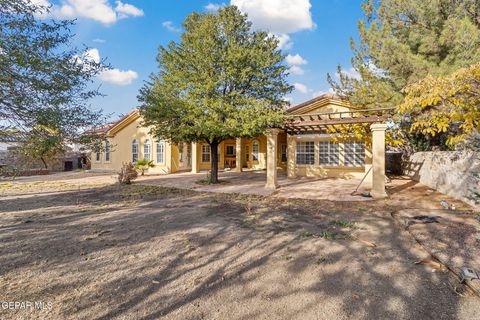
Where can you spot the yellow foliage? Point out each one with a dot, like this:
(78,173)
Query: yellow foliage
(448,104)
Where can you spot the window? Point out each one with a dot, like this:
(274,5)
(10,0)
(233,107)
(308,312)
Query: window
(354,154)
(205,153)
(255,147)
(284,153)
(98,155)
(160,152)
(180,151)
(247,153)
(306,152)
(147,150)
(107,151)
(328,153)
(230,151)
(134,150)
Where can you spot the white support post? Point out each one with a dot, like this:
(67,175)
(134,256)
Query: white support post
(195,162)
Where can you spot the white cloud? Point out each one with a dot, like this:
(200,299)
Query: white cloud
(118,77)
(284,41)
(124,10)
(297,70)
(297,59)
(300,87)
(321,92)
(277,16)
(92,55)
(115,75)
(98,10)
(170,27)
(213,7)
(98,40)
(351,73)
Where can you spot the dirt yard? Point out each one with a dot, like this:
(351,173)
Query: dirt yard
(88,249)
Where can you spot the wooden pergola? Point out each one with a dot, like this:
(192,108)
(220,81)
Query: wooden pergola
(328,121)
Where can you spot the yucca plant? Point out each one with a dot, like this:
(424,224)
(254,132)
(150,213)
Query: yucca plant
(143,165)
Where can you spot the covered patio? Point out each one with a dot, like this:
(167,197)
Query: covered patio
(326,123)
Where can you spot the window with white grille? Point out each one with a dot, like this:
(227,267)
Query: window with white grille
(255,150)
(306,152)
(134,150)
(354,154)
(146,150)
(160,152)
(205,153)
(328,153)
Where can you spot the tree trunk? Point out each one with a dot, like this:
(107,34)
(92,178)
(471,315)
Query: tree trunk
(214,162)
(44,163)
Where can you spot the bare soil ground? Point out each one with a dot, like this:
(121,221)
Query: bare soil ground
(100,251)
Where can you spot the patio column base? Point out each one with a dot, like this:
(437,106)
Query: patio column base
(378,161)
(272,181)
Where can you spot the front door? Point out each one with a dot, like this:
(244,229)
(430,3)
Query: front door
(230,156)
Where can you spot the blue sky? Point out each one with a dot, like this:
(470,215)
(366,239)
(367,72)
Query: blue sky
(127,34)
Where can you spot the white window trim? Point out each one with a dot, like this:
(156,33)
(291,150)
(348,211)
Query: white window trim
(134,143)
(162,144)
(256,142)
(314,157)
(203,152)
(145,144)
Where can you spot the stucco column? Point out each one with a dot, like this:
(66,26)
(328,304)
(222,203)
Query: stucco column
(238,155)
(291,147)
(195,162)
(272,135)
(378,161)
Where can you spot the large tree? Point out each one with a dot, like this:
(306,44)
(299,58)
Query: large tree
(45,82)
(222,80)
(404,41)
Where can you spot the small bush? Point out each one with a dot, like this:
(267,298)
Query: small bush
(127,174)
(144,165)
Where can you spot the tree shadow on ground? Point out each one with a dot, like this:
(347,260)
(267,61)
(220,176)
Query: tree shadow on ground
(194,255)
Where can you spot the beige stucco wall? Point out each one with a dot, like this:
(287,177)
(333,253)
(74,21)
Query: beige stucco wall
(123,136)
(121,150)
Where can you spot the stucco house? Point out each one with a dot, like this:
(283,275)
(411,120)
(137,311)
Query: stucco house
(304,150)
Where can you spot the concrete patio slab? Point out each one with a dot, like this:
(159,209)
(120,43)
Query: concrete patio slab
(253,182)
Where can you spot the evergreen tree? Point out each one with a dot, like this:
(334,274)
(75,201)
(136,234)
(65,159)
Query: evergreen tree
(404,41)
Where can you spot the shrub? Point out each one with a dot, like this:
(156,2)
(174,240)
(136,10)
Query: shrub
(143,165)
(127,174)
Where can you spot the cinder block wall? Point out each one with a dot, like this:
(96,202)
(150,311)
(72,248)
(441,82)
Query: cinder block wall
(455,173)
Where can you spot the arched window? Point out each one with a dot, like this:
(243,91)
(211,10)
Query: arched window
(255,148)
(134,150)
(160,152)
(107,151)
(147,150)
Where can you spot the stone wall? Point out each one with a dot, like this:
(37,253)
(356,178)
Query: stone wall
(455,173)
